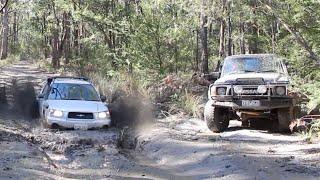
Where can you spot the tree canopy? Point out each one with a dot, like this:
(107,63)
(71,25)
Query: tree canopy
(161,36)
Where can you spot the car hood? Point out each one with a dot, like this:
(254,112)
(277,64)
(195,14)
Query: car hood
(77,106)
(267,77)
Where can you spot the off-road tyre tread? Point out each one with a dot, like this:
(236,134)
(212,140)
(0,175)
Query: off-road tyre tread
(215,118)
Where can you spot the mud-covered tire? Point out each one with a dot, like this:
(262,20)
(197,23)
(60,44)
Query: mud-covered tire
(44,124)
(245,123)
(285,116)
(217,118)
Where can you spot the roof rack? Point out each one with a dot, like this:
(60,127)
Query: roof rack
(50,79)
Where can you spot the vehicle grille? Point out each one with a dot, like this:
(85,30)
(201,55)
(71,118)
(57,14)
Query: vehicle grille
(250,81)
(251,91)
(80,115)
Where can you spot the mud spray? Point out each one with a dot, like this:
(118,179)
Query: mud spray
(130,114)
(18,98)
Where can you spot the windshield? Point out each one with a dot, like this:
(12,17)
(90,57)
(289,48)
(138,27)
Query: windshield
(251,64)
(64,91)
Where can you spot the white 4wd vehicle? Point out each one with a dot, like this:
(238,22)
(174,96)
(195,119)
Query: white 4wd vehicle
(250,88)
(71,102)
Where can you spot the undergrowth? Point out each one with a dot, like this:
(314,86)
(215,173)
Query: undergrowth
(313,132)
(10,60)
(128,84)
(190,104)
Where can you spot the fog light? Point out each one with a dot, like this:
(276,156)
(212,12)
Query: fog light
(281,90)
(262,89)
(238,89)
(221,91)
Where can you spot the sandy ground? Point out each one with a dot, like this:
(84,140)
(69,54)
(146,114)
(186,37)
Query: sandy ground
(187,149)
(175,147)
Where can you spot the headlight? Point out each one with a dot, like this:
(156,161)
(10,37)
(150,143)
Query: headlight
(221,91)
(103,115)
(262,89)
(238,89)
(280,90)
(56,113)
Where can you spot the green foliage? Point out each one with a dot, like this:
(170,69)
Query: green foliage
(120,82)
(313,132)
(313,92)
(145,40)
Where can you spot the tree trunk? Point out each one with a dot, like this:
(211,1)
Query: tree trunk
(254,44)
(222,39)
(204,38)
(67,38)
(221,44)
(15,29)
(196,67)
(229,30)
(45,41)
(5,32)
(75,34)
(242,31)
(55,49)
(273,36)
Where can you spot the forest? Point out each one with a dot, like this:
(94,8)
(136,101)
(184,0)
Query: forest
(150,39)
(124,89)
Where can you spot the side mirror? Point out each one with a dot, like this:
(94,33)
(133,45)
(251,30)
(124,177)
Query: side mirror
(40,96)
(287,66)
(213,76)
(103,98)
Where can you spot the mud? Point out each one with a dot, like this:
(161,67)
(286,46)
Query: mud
(131,111)
(68,154)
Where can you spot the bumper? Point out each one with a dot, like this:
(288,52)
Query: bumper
(73,123)
(265,104)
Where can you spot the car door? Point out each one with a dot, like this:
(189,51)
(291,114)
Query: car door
(42,98)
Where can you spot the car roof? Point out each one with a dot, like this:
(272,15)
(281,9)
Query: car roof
(70,81)
(251,56)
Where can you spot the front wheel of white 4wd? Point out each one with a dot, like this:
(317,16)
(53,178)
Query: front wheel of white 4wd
(285,116)
(44,124)
(217,118)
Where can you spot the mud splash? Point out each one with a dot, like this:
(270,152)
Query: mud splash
(18,97)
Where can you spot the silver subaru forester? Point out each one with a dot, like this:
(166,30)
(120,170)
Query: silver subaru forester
(71,102)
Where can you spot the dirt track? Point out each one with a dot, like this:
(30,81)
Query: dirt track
(175,147)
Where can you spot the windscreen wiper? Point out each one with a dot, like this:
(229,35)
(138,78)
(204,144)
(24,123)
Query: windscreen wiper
(275,71)
(74,99)
(56,91)
(91,100)
(249,71)
(270,70)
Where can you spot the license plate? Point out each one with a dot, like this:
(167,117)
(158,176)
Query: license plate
(250,103)
(81,126)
